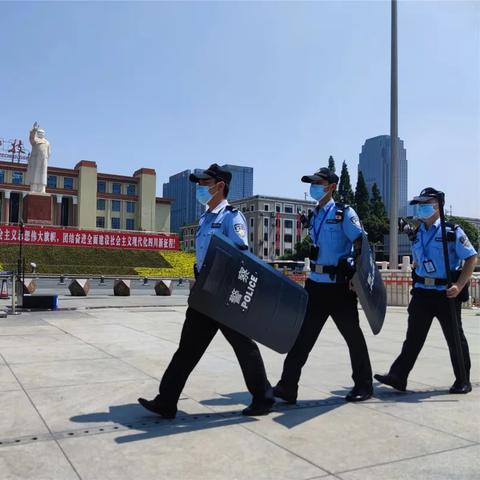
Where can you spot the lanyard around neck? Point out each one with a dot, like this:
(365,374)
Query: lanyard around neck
(316,232)
(430,238)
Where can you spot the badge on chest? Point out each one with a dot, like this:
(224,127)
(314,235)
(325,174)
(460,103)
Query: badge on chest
(429,266)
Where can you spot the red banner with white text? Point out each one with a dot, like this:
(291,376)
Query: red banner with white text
(70,237)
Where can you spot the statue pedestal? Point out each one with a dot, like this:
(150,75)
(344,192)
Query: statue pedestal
(38,209)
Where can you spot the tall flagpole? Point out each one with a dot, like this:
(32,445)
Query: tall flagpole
(394,142)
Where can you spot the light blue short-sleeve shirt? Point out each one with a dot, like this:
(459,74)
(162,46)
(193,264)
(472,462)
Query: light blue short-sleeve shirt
(333,236)
(230,222)
(427,252)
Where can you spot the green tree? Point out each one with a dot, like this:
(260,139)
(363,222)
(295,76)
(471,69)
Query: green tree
(469,229)
(377,207)
(331,163)
(345,191)
(376,224)
(362,198)
(302,250)
(331,166)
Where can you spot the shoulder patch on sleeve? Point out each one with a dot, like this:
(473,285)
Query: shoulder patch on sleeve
(240,229)
(355,220)
(465,241)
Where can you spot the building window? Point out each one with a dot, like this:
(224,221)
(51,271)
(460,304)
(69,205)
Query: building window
(265,222)
(117,188)
(116,206)
(287,238)
(130,207)
(265,207)
(131,189)
(68,183)
(265,236)
(278,207)
(251,237)
(251,223)
(265,252)
(129,224)
(288,223)
(101,186)
(52,181)
(2,176)
(17,178)
(116,223)
(100,222)
(251,208)
(288,208)
(100,204)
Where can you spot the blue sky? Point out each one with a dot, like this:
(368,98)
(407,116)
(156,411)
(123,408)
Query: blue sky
(276,86)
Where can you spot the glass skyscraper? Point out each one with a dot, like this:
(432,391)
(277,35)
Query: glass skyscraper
(241,185)
(374,163)
(186,210)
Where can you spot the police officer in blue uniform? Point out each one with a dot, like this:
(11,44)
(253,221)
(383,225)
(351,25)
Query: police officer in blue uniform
(198,329)
(335,230)
(430,294)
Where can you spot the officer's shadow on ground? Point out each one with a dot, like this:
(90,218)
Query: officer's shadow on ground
(305,410)
(290,415)
(385,394)
(133,416)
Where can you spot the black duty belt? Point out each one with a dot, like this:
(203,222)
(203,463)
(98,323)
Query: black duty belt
(428,281)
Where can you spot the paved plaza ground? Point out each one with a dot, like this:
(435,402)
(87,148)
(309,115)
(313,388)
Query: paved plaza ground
(69,381)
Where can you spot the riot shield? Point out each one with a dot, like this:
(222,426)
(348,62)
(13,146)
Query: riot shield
(239,290)
(370,289)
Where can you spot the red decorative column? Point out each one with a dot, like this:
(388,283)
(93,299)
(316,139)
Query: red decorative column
(75,211)
(58,213)
(6,207)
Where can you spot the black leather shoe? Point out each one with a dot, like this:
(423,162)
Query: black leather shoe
(392,381)
(156,407)
(461,388)
(279,392)
(359,394)
(258,409)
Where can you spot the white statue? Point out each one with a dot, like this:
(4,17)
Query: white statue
(37,163)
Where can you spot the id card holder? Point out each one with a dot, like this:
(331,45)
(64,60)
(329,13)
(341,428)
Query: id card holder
(429,266)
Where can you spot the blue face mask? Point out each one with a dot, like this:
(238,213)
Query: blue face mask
(203,195)
(317,191)
(425,210)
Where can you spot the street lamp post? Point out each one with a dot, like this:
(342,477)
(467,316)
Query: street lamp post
(394,142)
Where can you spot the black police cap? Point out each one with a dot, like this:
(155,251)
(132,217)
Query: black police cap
(213,171)
(426,194)
(323,174)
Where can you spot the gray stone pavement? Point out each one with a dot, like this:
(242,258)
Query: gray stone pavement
(69,381)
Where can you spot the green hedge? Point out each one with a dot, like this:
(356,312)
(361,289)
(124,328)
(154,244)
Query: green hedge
(76,260)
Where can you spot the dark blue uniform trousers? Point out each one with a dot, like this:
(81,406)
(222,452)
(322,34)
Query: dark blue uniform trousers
(197,333)
(337,301)
(424,305)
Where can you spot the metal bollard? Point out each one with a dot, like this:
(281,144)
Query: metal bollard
(14,297)
(62,280)
(102,280)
